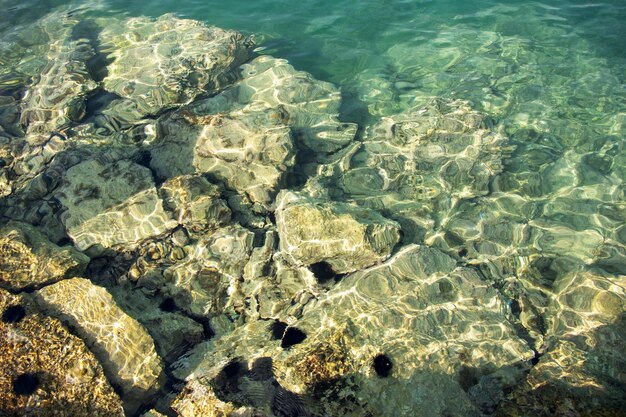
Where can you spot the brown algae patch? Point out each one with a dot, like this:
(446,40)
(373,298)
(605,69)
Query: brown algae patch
(46,371)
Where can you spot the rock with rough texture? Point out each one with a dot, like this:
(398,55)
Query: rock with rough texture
(57,99)
(47,62)
(440,326)
(273,287)
(30,260)
(46,371)
(152,413)
(580,372)
(112,205)
(195,202)
(173,332)
(197,400)
(206,282)
(122,345)
(447,140)
(346,237)
(418,164)
(165,62)
(246,151)
(9,117)
(311,106)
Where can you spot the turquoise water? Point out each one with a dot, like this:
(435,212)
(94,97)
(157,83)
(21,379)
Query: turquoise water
(445,47)
(547,229)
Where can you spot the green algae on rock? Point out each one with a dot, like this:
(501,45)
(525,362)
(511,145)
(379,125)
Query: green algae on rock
(344,236)
(65,378)
(187,58)
(122,345)
(30,260)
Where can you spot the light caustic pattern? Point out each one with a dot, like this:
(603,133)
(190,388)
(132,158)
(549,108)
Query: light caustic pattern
(467,221)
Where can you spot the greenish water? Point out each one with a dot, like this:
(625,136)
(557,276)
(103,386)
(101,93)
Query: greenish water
(549,229)
(443,47)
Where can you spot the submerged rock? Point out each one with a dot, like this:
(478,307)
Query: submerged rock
(197,400)
(416,165)
(206,282)
(46,371)
(195,202)
(311,106)
(436,326)
(246,151)
(152,413)
(9,117)
(187,58)
(173,332)
(111,205)
(49,65)
(57,99)
(122,345)
(344,236)
(581,371)
(429,318)
(29,259)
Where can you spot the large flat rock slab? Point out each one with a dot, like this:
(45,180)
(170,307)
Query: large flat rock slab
(122,345)
(111,205)
(164,62)
(311,106)
(362,348)
(246,151)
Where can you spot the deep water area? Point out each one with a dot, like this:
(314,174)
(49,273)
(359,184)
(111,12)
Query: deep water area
(319,208)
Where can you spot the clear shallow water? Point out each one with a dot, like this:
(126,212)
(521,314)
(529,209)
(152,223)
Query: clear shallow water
(341,41)
(550,77)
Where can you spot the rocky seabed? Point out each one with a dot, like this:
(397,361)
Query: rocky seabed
(188,229)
